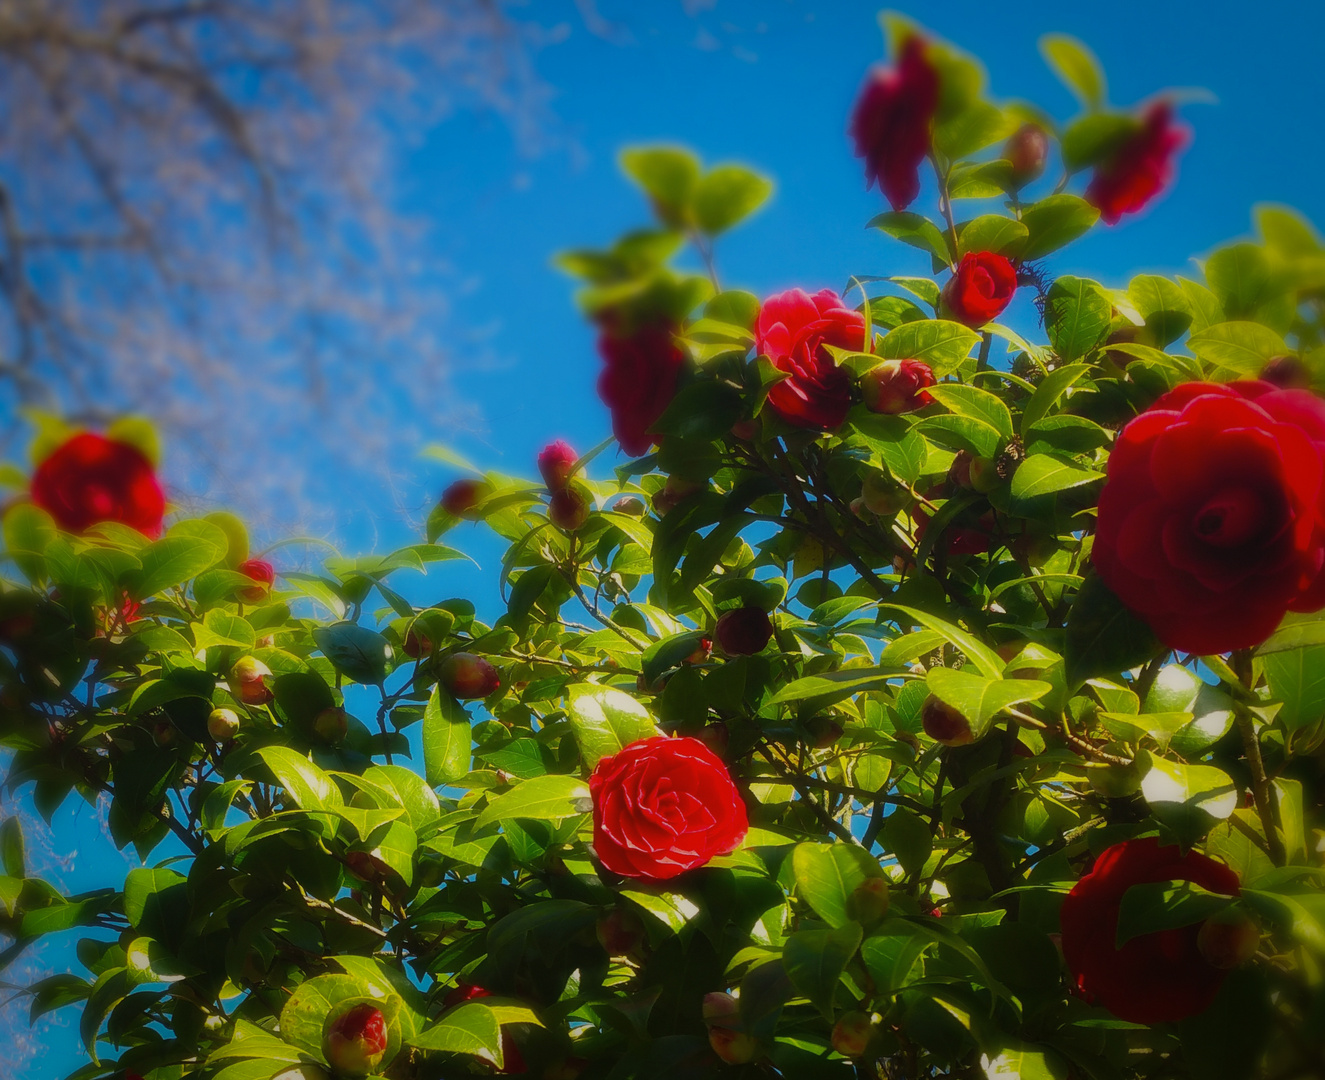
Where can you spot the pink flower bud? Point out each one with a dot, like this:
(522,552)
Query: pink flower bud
(1028,151)
(263,573)
(555,464)
(355,1041)
(468,676)
(568,509)
(897,386)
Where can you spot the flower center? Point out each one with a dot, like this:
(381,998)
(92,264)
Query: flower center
(1231,518)
(99,499)
(984,284)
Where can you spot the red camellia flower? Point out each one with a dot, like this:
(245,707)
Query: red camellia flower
(1154,978)
(261,572)
(1212,520)
(980,289)
(555,463)
(638,382)
(744,631)
(90,479)
(897,386)
(663,806)
(792,330)
(512,1060)
(1140,168)
(891,123)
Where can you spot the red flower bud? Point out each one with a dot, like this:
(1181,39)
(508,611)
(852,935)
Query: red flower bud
(1228,940)
(467,676)
(354,1043)
(367,867)
(721,1009)
(734,1047)
(980,289)
(555,464)
(1027,150)
(261,572)
(568,509)
(462,497)
(944,724)
(852,1033)
(897,386)
(620,932)
(164,733)
(416,645)
(223,724)
(248,681)
(744,631)
(331,724)
(1286,372)
(891,123)
(90,479)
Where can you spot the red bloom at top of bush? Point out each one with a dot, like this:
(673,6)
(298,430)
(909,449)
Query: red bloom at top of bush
(639,381)
(663,806)
(90,478)
(555,462)
(1140,168)
(792,330)
(1212,520)
(891,123)
(980,288)
(1154,978)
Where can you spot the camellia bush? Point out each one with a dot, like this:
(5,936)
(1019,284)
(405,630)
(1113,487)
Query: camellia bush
(918,699)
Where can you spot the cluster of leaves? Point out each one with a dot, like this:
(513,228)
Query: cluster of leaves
(298,866)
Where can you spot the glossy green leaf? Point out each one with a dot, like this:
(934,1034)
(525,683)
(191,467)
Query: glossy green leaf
(447,738)
(1076,65)
(980,699)
(543,798)
(941,344)
(728,194)
(815,960)
(827,874)
(1054,222)
(606,720)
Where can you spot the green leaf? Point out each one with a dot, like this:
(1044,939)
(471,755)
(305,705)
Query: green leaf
(1052,387)
(941,344)
(447,738)
(606,720)
(11,847)
(1200,787)
(360,654)
(973,128)
(991,232)
(916,230)
(1047,474)
(1296,631)
(821,691)
(141,886)
(1163,305)
(28,530)
(980,699)
(827,874)
(1239,276)
(222,628)
(308,786)
(816,959)
(907,836)
(975,403)
(976,651)
(543,798)
(728,194)
(962,433)
(171,561)
(1241,347)
(1164,905)
(1103,636)
(668,174)
(1076,65)
(1021,1061)
(1297,678)
(706,409)
(1077,315)
(1055,222)
(925,288)
(474,1027)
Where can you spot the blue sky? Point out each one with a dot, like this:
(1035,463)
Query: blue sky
(769,83)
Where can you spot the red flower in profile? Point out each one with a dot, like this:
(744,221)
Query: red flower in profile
(1140,168)
(639,381)
(891,123)
(792,330)
(663,806)
(980,288)
(90,478)
(1154,978)
(1211,523)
